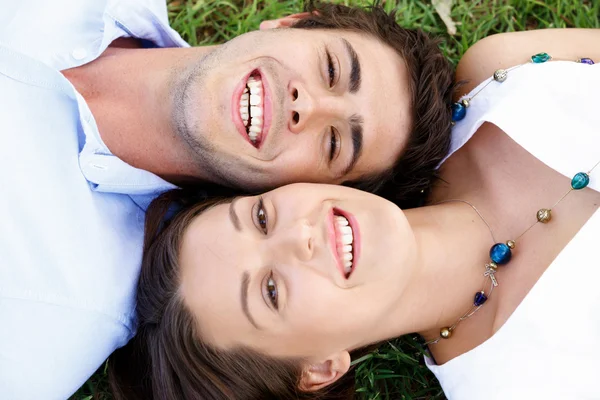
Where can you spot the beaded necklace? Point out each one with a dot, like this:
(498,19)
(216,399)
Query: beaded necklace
(501,253)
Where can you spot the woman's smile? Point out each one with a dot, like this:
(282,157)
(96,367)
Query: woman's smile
(344,239)
(303,256)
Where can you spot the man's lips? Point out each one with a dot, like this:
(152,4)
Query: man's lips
(235,107)
(252,108)
(267,109)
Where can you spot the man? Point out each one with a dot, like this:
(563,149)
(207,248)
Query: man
(103,107)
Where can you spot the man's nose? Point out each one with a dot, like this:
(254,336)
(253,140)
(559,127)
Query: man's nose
(316,109)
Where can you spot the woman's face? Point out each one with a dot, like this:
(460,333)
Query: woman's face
(273,272)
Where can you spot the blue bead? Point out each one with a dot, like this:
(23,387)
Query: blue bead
(580,181)
(586,60)
(458,112)
(500,253)
(480,298)
(540,58)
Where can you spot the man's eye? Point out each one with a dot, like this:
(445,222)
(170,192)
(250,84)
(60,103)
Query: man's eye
(261,216)
(331,70)
(333,144)
(271,289)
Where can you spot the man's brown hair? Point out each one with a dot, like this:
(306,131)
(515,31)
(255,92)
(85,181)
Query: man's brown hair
(430,85)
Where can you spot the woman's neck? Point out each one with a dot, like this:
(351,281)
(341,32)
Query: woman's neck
(453,243)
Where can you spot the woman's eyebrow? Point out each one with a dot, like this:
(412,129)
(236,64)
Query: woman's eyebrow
(235,220)
(244,299)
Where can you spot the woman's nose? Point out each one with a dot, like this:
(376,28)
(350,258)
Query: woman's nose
(297,241)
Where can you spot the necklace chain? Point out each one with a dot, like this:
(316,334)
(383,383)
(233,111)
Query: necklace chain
(500,253)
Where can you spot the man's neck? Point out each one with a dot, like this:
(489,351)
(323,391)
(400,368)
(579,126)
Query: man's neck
(129,92)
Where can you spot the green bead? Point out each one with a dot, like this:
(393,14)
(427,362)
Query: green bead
(540,58)
(580,181)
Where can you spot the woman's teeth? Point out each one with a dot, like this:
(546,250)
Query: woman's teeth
(344,244)
(251,109)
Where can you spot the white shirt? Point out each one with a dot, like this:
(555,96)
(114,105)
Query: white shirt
(550,346)
(71,213)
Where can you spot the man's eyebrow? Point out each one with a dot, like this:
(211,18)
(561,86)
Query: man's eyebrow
(356,129)
(235,220)
(244,298)
(355,78)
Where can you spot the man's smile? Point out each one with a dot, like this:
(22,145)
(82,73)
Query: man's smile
(252,108)
(308,112)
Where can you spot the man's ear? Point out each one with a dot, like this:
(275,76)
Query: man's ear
(284,22)
(316,376)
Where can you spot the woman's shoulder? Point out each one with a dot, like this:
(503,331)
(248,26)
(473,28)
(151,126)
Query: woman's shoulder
(504,50)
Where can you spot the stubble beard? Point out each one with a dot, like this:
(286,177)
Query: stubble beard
(207,157)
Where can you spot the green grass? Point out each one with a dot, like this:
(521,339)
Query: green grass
(396,370)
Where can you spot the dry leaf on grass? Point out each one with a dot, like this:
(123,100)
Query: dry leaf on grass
(443,8)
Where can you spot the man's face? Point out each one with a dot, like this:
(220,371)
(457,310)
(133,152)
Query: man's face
(290,105)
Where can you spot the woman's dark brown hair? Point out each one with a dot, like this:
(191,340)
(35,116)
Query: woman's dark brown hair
(431,87)
(167,359)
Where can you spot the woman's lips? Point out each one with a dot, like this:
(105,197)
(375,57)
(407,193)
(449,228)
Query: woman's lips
(344,239)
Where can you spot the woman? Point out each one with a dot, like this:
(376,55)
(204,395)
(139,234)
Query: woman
(272,296)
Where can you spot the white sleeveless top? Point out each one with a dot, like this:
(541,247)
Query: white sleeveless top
(549,348)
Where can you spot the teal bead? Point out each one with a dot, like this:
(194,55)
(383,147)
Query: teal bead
(540,58)
(580,181)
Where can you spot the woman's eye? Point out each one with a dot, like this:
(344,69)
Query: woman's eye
(330,70)
(333,144)
(261,216)
(271,287)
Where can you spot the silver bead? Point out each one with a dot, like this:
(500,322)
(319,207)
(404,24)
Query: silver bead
(500,75)
(544,215)
(465,102)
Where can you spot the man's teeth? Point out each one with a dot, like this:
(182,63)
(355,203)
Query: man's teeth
(251,109)
(345,247)
(244,106)
(254,99)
